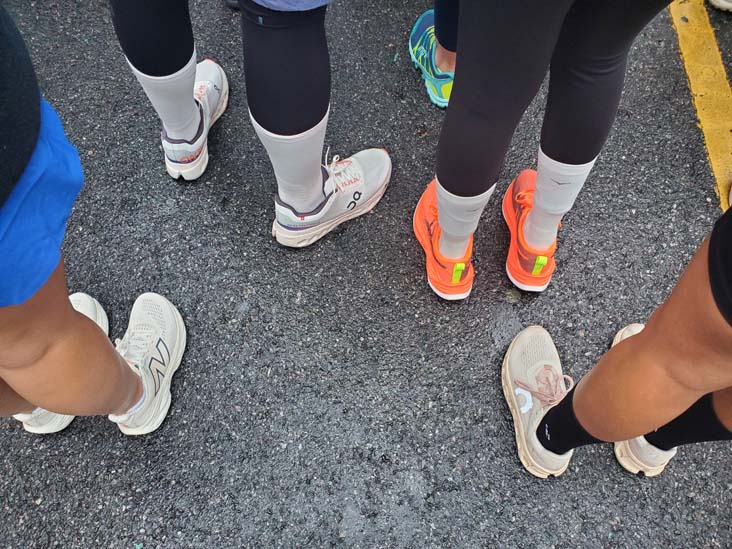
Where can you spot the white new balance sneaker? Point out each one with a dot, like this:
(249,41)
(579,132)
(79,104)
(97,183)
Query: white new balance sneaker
(354,187)
(153,346)
(43,422)
(638,455)
(189,159)
(533,382)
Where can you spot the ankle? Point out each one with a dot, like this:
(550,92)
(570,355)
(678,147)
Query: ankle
(134,396)
(445,59)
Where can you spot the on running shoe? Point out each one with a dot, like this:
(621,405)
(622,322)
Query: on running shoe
(422,48)
(638,455)
(189,159)
(533,383)
(153,347)
(43,422)
(352,188)
(451,279)
(529,269)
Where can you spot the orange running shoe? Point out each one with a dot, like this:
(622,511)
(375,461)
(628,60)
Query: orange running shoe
(529,269)
(451,279)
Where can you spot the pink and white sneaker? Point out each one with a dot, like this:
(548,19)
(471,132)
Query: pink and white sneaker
(189,159)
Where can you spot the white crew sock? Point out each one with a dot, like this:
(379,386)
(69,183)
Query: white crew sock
(172,98)
(458,217)
(557,187)
(296,163)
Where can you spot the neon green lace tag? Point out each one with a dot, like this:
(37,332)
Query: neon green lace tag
(541,261)
(457,272)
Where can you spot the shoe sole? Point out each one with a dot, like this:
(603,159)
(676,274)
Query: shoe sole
(164,405)
(524,455)
(437,101)
(519,285)
(193,170)
(622,450)
(417,232)
(306,237)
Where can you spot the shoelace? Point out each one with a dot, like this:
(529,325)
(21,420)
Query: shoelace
(549,388)
(341,170)
(134,345)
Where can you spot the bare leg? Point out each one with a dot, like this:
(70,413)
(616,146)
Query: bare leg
(59,360)
(445,59)
(652,378)
(12,403)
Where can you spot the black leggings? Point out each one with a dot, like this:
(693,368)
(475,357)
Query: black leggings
(446,23)
(20,106)
(504,51)
(286,61)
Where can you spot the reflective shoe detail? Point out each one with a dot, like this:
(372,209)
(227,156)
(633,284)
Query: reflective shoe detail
(451,279)
(529,269)
(153,346)
(189,159)
(43,422)
(352,188)
(422,47)
(533,383)
(638,455)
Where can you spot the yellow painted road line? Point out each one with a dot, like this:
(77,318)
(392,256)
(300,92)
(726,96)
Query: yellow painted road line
(710,88)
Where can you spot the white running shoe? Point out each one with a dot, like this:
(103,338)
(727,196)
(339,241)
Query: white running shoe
(638,455)
(533,382)
(189,159)
(354,187)
(153,346)
(724,5)
(43,422)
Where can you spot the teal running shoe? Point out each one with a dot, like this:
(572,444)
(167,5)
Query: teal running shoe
(422,46)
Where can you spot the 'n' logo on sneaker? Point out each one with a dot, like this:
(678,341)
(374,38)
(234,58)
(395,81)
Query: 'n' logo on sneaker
(159,364)
(528,399)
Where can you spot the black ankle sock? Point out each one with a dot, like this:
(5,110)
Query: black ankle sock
(559,431)
(699,423)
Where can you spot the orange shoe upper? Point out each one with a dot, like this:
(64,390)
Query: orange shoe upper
(449,276)
(527,265)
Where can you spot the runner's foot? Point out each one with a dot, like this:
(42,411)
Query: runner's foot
(189,159)
(153,346)
(352,187)
(450,279)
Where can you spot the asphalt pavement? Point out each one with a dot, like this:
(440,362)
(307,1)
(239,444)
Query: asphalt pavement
(327,396)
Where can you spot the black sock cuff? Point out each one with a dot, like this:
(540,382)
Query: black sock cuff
(560,431)
(700,423)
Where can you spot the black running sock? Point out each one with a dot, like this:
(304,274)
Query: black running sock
(699,423)
(559,430)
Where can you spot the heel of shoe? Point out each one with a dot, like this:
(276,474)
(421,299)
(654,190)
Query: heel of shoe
(191,170)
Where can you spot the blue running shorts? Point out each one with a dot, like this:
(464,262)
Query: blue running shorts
(33,218)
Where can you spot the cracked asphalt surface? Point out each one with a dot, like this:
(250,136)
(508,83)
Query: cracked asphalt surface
(327,397)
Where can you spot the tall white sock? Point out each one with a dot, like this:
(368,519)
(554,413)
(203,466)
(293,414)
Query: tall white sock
(458,217)
(296,160)
(557,187)
(172,98)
